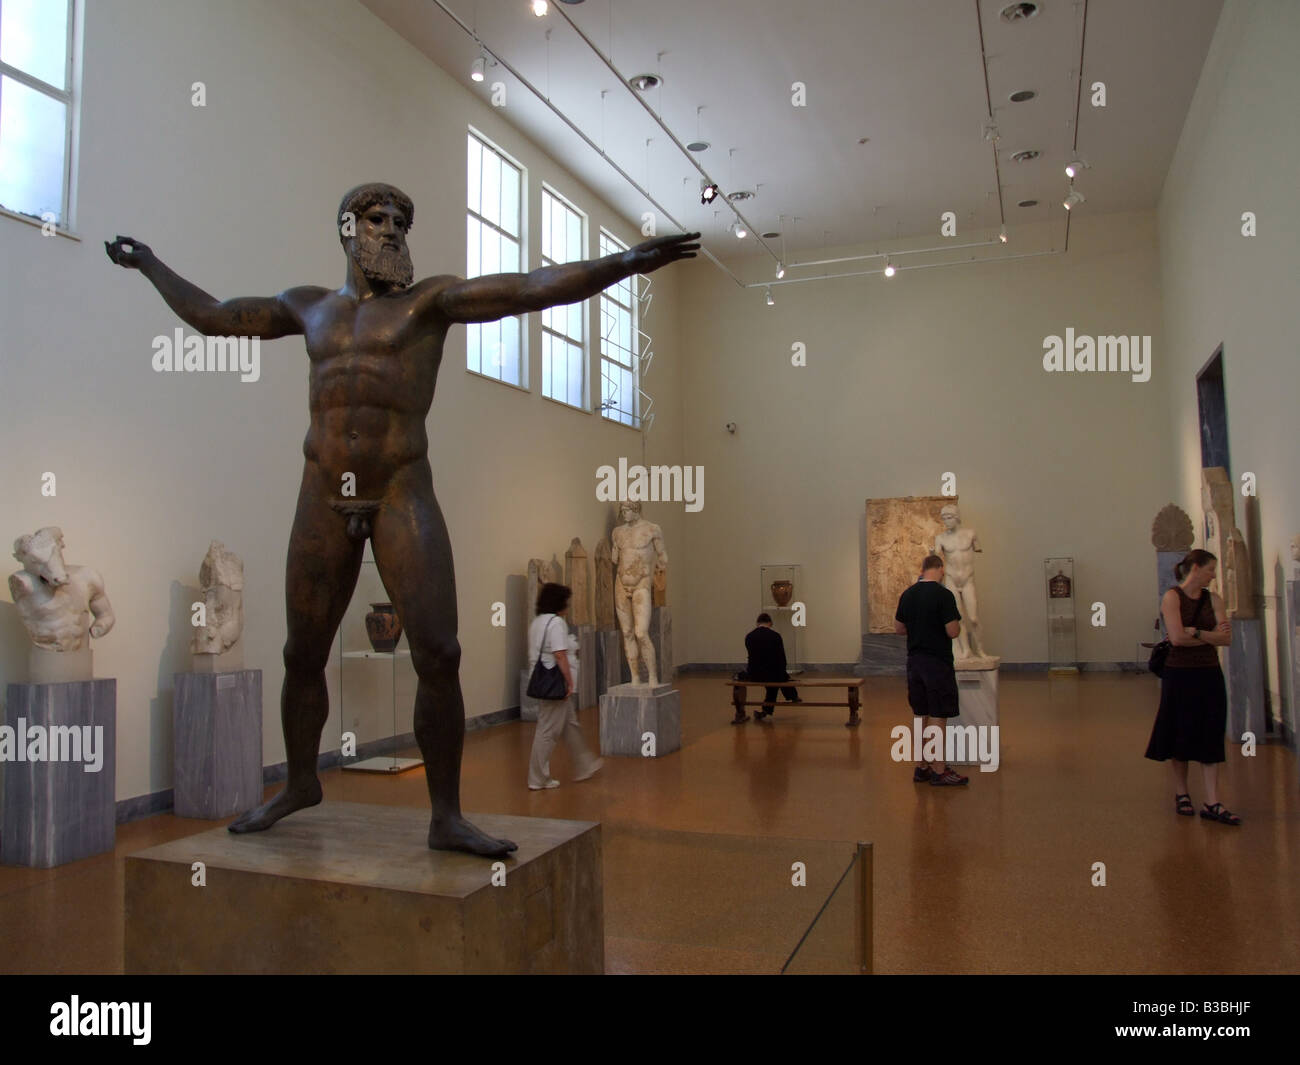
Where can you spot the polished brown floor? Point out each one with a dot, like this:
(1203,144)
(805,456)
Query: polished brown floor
(995,877)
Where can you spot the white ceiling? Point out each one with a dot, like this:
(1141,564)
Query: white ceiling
(907,74)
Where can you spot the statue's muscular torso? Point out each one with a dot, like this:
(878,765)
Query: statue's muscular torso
(374,365)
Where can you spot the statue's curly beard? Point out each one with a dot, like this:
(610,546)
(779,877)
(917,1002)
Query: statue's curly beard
(383,264)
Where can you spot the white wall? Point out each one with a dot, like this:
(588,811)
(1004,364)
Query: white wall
(1240,151)
(304,100)
(908,378)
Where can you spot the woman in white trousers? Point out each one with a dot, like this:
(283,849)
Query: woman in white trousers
(549,640)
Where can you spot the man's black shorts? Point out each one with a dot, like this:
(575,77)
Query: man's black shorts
(931,686)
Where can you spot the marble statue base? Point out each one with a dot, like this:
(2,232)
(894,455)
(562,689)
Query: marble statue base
(661,636)
(61,807)
(977,698)
(611,663)
(883,654)
(353,888)
(217,743)
(230,661)
(527,704)
(629,711)
(60,667)
(587,693)
(976,663)
(1245,676)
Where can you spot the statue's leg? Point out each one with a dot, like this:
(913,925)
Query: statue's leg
(970,618)
(413,553)
(641,610)
(623,609)
(960,646)
(319,577)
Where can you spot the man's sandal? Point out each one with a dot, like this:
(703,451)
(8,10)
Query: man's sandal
(1183,805)
(1218,812)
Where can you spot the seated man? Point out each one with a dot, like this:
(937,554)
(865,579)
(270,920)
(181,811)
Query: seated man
(766,652)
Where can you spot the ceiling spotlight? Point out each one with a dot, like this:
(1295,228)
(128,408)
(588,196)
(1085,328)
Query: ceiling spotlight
(540,7)
(1073,199)
(889,269)
(991,132)
(698,146)
(740,195)
(1027,203)
(708,193)
(1021,95)
(478,69)
(1075,166)
(770,301)
(1002,234)
(644,82)
(740,231)
(780,270)
(1025,155)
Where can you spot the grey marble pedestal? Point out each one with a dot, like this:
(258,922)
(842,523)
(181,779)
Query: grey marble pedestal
(1246,679)
(217,770)
(60,807)
(883,654)
(587,693)
(977,697)
(661,636)
(629,711)
(611,663)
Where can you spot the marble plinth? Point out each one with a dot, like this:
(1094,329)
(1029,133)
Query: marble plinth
(882,655)
(353,888)
(977,698)
(58,811)
(217,743)
(60,667)
(229,661)
(661,635)
(587,693)
(629,711)
(527,704)
(976,663)
(611,663)
(1246,671)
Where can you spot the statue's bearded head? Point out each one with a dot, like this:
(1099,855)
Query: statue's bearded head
(950,517)
(373,222)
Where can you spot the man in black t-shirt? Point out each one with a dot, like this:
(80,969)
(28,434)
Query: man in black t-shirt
(766,651)
(927,614)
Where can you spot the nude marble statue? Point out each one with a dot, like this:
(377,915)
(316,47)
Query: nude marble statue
(957,546)
(374,346)
(638,554)
(56,601)
(221,577)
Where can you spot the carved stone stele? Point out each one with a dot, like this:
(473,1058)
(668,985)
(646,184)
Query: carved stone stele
(1172,530)
(577,575)
(604,586)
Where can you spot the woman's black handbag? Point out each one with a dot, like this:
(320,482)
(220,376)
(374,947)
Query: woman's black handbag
(1156,663)
(547,683)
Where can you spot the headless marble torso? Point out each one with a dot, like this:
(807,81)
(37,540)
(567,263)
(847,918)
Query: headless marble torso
(58,617)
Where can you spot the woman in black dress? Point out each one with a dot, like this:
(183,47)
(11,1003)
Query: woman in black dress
(1193,712)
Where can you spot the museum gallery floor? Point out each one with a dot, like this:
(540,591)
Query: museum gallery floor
(994,877)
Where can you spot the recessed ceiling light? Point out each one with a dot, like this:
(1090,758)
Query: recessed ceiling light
(1025,155)
(1019,12)
(739,196)
(571,1)
(1027,203)
(645,82)
(1021,95)
(771,234)
(698,146)
(863,140)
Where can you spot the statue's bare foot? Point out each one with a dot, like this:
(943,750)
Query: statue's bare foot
(282,805)
(457,834)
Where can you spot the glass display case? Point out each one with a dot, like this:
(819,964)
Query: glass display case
(779,588)
(1058,584)
(376,680)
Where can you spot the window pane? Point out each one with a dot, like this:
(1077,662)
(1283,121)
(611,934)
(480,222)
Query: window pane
(34,38)
(547,251)
(509,256)
(510,351)
(492,348)
(491,263)
(574,246)
(32,140)
(574,329)
(473,252)
(474,176)
(491,187)
(575,375)
(473,336)
(510,199)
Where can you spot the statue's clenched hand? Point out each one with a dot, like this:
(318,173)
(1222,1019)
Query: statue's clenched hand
(138,254)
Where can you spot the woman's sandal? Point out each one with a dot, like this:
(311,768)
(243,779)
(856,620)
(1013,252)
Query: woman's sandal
(1219,813)
(1183,805)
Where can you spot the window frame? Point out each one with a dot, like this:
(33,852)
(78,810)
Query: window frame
(636,415)
(582,343)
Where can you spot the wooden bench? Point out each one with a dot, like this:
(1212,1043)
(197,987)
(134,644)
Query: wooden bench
(852,684)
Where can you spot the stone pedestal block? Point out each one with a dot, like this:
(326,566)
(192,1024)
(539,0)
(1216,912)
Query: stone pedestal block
(611,663)
(977,698)
(353,888)
(217,734)
(230,661)
(59,746)
(661,635)
(629,711)
(1246,672)
(883,654)
(60,667)
(587,693)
